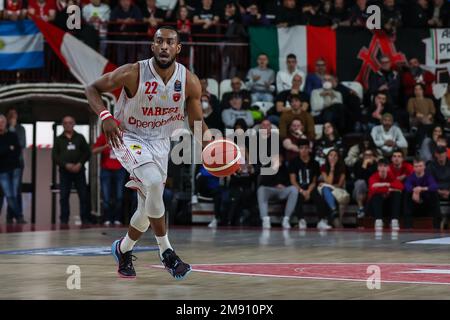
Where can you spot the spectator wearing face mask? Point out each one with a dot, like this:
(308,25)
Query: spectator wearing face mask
(327,104)
(211,114)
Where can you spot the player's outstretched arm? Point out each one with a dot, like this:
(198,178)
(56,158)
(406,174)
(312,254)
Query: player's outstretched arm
(124,76)
(193,104)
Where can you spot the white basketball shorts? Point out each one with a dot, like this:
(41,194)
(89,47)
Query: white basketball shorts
(136,151)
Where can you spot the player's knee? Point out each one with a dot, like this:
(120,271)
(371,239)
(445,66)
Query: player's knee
(140,221)
(156,207)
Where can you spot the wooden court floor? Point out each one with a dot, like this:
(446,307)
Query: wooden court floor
(230,264)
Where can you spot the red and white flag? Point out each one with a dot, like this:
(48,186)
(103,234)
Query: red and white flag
(86,64)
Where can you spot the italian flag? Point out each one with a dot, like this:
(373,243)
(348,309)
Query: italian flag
(306,42)
(86,64)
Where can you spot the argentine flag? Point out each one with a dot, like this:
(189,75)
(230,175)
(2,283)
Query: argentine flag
(21,45)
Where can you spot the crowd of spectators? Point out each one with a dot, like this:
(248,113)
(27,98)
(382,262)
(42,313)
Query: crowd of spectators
(399,142)
(398,116)
(229,17)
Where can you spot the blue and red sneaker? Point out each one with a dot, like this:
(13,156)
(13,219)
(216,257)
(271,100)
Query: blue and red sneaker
(124,261)
(173,264)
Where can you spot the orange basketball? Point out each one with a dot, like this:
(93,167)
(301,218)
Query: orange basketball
(221,158)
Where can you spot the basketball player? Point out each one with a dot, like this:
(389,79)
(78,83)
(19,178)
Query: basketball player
(150,108)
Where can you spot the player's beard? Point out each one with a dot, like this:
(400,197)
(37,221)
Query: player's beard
(164,65)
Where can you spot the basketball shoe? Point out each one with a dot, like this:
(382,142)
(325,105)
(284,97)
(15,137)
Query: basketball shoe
(173,264)
(124,261)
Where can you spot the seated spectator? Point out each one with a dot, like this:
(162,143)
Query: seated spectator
(358,14)
(421,192)
(207,185)
(330,140)
(327,104)
(384,190)
(356,152)
(211,113)
(168,7)
(236,89)
(315,80)
(10,151)
(314,16)
(340,15)
(388,136)
(230,115)
(400,168)
(14,10)
(253,17)
(205,92)
(184,24)
(293,138)
(303,174)
(153,16)
(430,144)
(288,14)
(124,13)
(184,28)
(260,80)
(112,177)
(417,15)
(333,177)
(97,15)
(282,99)
(379,107)
(276,187)
(206,17)
(352,113)
(285,77)
(415,74)
(421,112)
(445,109)
(297,112)
(44,9)
(440,13)
(242,193)
(439,168)
(363,170)
(391,17)
(385,79)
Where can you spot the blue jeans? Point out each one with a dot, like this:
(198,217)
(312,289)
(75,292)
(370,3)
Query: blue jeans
(113,181)
(262,96)
(66,180)
(329,198)
(9,182)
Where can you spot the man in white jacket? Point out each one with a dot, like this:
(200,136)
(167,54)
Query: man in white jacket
(284,77)
(388,136)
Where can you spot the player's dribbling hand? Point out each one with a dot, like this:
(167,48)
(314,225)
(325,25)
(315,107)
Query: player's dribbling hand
(112,132)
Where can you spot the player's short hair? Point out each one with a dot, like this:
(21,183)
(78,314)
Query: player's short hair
(171,29)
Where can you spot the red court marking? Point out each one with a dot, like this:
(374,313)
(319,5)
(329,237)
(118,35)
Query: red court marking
(390,272)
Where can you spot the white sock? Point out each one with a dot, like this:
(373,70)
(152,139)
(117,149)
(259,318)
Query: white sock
(163,243)
(127,244)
